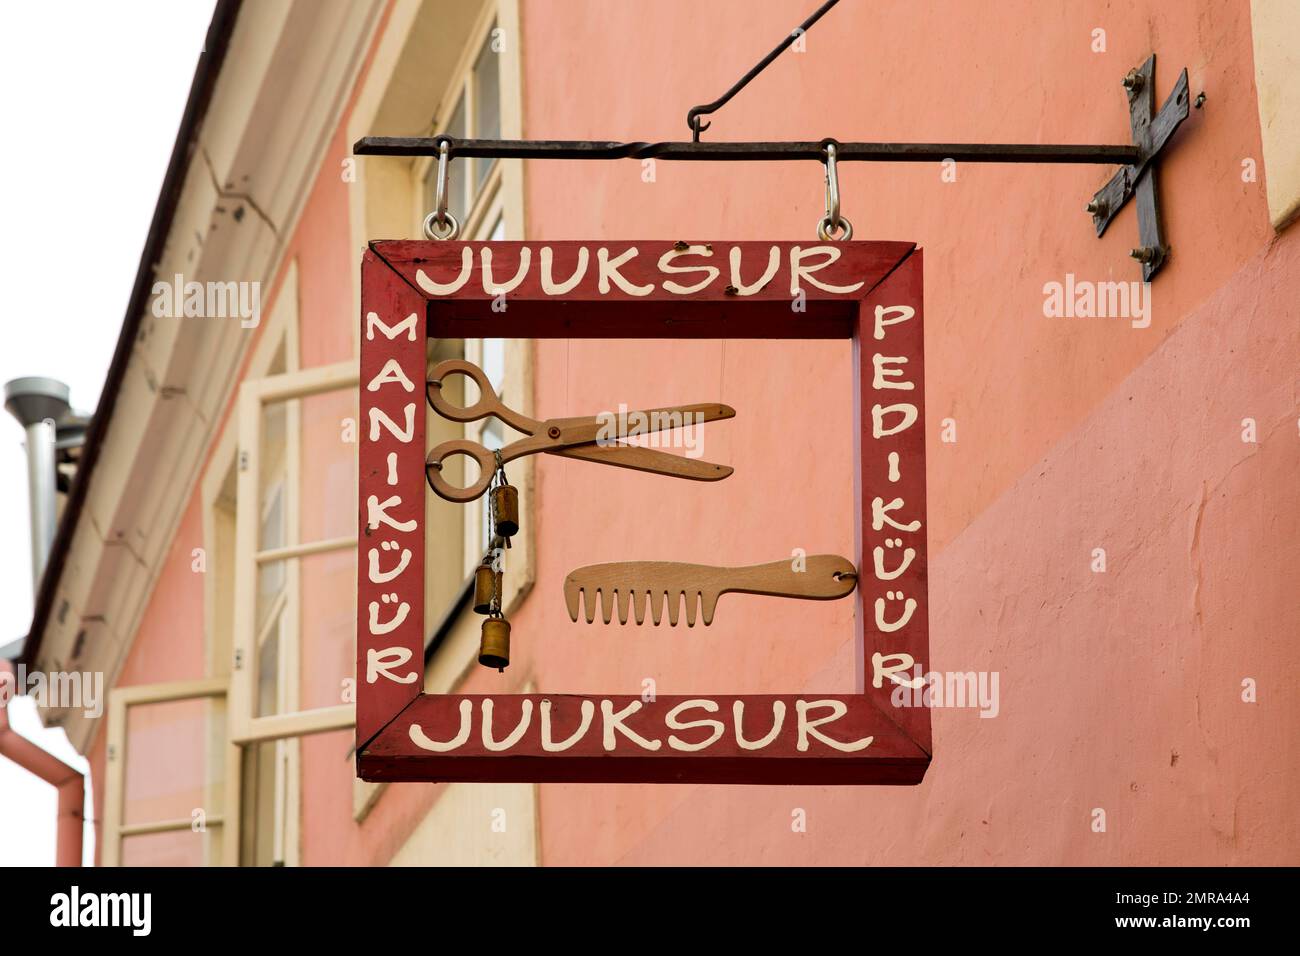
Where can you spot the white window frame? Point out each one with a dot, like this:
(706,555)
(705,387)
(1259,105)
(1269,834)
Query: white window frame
(383,206)
(254,396)
(462,84)
(115,829)
(244,727)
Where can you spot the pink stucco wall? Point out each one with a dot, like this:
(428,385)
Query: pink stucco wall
(1119,690)
(168,646)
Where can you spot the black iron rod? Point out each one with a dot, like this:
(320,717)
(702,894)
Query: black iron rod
(750,152)
(693,115)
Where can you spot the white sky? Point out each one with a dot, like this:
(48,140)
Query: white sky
(93,95)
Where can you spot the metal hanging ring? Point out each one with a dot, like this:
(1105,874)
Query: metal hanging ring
(833,222)
(450,226)
(826,230)
(440,224)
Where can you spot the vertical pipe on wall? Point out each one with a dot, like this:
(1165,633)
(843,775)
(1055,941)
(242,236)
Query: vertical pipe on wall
(38,403)
(69,781)
(40,485)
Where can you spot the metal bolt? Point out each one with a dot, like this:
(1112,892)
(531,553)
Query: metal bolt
(553,432)
(1200,100)
(1143,254)
(1133,81)
(1095,208)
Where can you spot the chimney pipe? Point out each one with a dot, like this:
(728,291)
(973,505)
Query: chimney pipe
(38,403)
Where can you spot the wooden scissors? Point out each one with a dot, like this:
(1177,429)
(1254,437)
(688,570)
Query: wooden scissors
(570,437)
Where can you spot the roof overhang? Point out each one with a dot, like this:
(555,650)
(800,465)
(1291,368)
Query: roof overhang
(247,153)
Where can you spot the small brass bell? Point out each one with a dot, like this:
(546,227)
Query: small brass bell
(486,583)
(494,645)
(505,510)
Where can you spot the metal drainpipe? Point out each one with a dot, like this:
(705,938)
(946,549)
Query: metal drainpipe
(38,403)
(69,781)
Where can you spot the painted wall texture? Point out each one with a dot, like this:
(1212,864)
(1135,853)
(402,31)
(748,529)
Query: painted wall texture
(1120,690)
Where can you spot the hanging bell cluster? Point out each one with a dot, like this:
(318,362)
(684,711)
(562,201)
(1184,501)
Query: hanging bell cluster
(503,524)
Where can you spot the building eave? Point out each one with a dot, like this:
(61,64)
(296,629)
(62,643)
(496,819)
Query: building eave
(212,58)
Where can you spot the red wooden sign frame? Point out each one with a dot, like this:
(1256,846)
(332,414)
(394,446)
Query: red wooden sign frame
(867,292)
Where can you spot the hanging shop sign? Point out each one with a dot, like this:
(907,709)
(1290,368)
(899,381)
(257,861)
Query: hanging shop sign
(867,293)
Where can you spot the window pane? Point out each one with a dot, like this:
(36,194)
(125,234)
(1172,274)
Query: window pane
(494,363)
(494,431)
(272,464)
(327,655)
(262,785)
(329,432)
(173,761)
(173,848)
(270,638)
(270,576)
(445,520)
(324,642)
(458,185)
(270,615)
(487,103)
(455,126)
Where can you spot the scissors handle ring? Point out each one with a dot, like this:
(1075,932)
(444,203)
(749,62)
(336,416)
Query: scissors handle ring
(433,470)
(488,403)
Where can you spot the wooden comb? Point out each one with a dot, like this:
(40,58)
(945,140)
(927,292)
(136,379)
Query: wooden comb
(635,584)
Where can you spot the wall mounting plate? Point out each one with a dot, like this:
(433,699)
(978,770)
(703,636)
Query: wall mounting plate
(1151,133)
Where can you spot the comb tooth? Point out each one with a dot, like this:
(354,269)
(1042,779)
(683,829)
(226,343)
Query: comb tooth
(607,603)
(571,592)
(589,603)
(674,605)
(624,599)
(690,597)
(656,605)
(638,604)
(710,601)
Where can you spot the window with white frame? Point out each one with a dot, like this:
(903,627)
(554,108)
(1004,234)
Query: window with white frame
(296,551)
(282,492)
(471,109)
(281,538)
(490,356)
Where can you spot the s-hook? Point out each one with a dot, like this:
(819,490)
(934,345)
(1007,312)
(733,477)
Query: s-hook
(833,222)
(441,224)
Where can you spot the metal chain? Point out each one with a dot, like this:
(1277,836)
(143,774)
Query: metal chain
(498,479)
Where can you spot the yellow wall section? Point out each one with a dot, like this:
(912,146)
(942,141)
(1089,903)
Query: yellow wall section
(1276,30)
(476,825)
